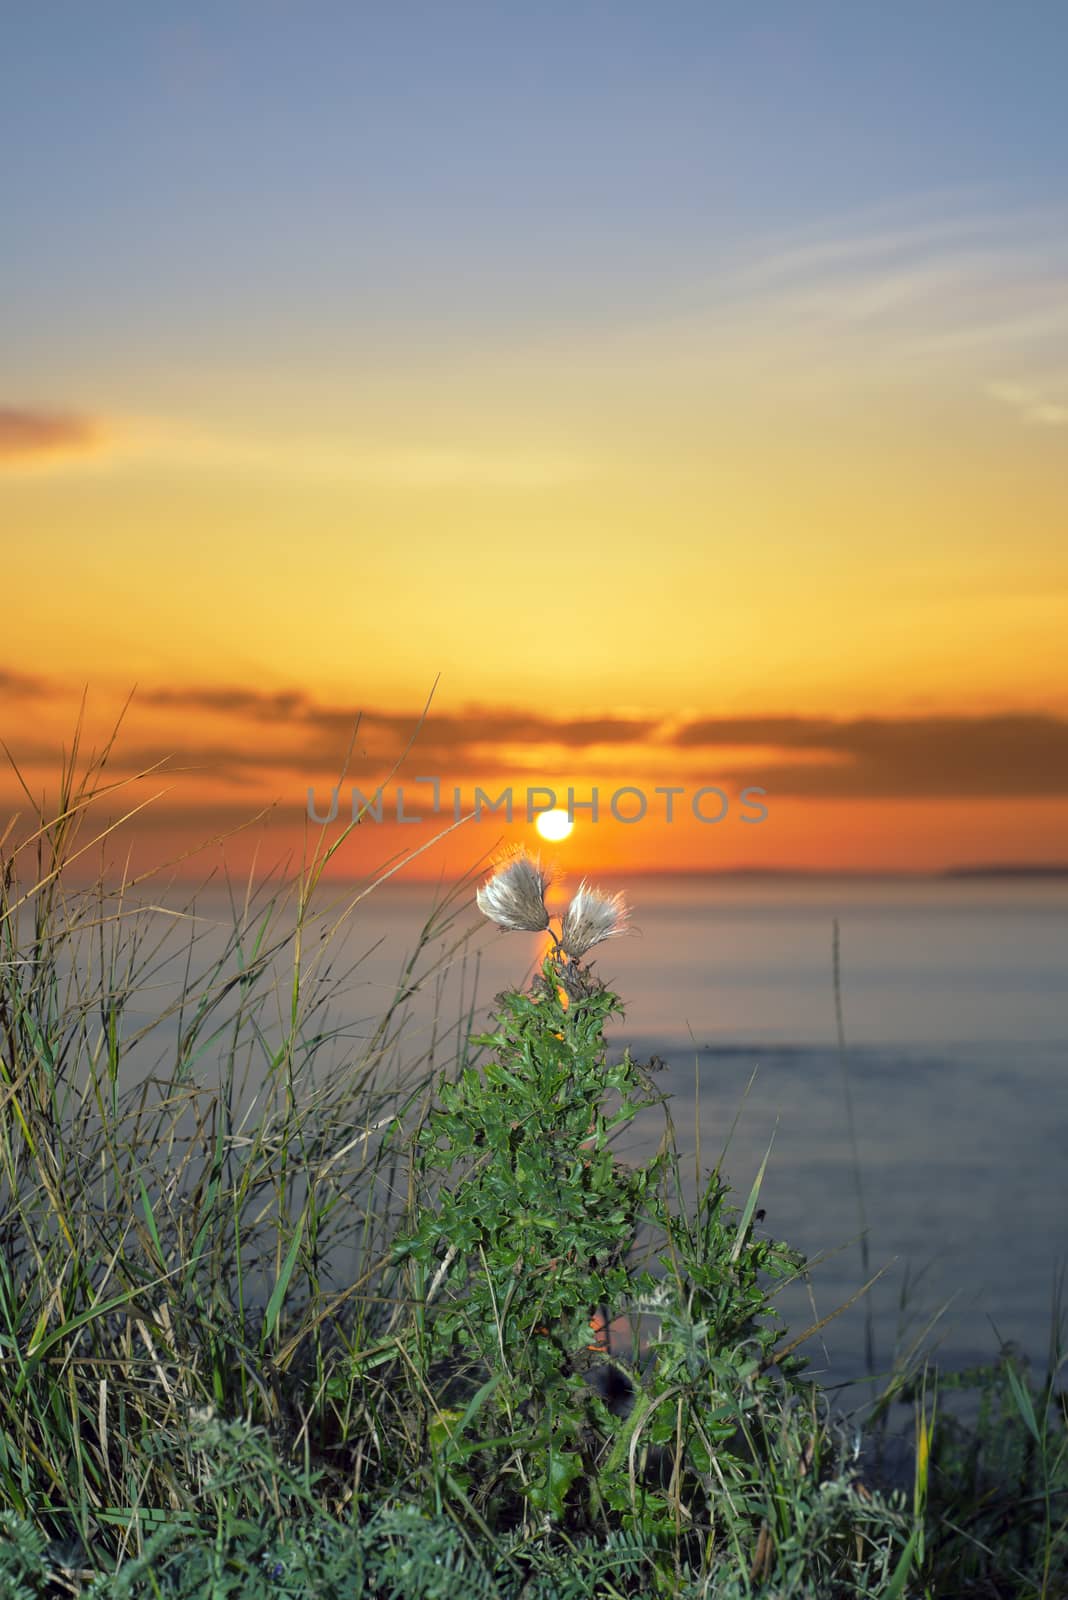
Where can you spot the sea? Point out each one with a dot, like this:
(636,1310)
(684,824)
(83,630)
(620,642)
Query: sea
(898,1045)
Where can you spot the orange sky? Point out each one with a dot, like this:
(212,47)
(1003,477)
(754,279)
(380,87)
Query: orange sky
(720,444)
(866,621)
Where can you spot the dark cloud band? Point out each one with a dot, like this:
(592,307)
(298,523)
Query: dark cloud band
(27,434)
(1010,754)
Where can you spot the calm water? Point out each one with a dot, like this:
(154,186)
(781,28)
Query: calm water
(955,998)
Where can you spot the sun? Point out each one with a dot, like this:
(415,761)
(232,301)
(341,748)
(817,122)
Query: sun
(554,825)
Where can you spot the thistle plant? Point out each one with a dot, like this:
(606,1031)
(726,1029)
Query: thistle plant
(514,898)
(524,1224)
(527,1220)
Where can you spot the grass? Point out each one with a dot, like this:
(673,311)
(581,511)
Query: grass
(286,1312)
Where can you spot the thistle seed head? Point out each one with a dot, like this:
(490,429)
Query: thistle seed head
(514,898)
(591,917)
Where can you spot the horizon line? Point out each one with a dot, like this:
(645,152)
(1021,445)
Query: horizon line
(978,871)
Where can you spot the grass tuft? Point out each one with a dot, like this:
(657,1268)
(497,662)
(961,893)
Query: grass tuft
(286,1312)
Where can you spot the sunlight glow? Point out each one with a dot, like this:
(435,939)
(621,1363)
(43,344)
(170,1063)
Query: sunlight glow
(554,825)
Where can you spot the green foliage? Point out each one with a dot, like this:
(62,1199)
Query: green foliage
(997,1500)
(23,1567)
(189,1409)
(524,1225)
(293,1549)
(181,1165)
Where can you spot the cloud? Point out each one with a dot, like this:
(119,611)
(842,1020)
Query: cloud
(1011,754)
(1044,402)
(931,294)
(20,684)
(474,726)
(260,705)
(29,437)
(874,235)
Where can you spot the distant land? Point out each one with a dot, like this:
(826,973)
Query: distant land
(1045,872)
(1052,869)
(993,869)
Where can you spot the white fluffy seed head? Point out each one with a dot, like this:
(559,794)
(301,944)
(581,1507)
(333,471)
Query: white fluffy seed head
(591,917)
(514,898)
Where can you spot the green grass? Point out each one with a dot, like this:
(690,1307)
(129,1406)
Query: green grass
(191,1406)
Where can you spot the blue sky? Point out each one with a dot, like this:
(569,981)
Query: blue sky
(465,170)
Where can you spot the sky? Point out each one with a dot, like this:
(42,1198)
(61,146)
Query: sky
(673,396)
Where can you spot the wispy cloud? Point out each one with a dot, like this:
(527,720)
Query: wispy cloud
(32,437)
(938,303)
(1044,401)
(876,236)
(904,297)
(954,300)
(36,438)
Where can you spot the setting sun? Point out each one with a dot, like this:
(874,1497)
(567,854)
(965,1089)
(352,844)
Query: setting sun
(554,825)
